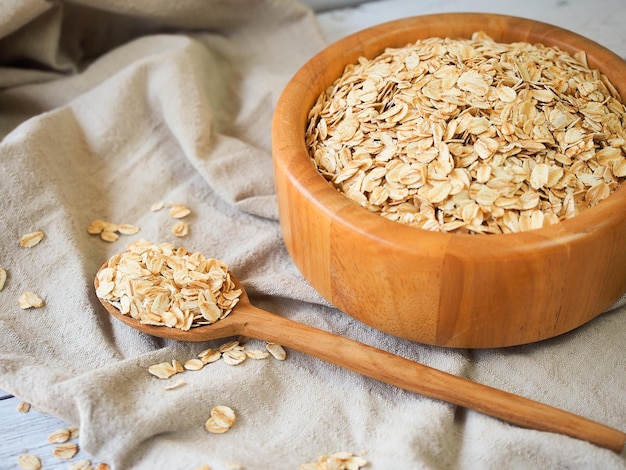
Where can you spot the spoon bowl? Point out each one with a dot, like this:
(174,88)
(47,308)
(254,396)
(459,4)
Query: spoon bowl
(232,325)
(250,321)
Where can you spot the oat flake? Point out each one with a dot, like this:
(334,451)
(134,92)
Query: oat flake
(65,451)
(29,462)
(30,300)
(31,239)
(3,277)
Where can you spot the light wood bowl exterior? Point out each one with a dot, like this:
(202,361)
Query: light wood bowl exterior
(455,290)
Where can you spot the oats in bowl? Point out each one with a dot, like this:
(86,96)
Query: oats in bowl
(457,138)
(471,135)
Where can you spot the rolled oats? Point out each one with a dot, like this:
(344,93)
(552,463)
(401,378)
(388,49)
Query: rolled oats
(163,370)
(230,346)
(3,277)
(74,431)
(471,136)
(336,461)
(96,227)
(65,451)
(179,211)
(109,236)
(59,436)
(84,464)
(210,355)
(234,357)
(194,364)
(109,231)
(31,239)
(177,366)
(221,420)
(257,354)
(179,383)
(159,284)
(277,351)
(157,206)
(127,229)
(23,407)
(29,462)
(30,300)
(180,229)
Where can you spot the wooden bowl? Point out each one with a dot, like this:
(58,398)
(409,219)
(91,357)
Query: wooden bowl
(447,289)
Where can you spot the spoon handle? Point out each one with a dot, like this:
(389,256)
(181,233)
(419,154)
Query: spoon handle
(416,377)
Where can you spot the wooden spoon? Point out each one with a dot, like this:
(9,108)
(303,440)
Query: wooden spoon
(250,321)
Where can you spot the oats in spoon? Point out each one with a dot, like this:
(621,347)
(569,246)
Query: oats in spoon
(160,284)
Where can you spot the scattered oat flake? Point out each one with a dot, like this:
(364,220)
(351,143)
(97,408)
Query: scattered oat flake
(128,229)
(221,420)
(210,355)
(84,464)
(203,467)
(96,227)
(102,466)
(179,383)
(194,364)
(23,407)
(59,436)
(110,226)
(257,354)
(29,462)
(214,428)
(336,461)
(178,211)
(109,236)
(163,370)
(230,346)
(223,415)
(277,351)
(110,231)
(234,357)
(30,299)
(31,239)
(157,206)
(180,229)
(74,431)
(3,277)
(65,451)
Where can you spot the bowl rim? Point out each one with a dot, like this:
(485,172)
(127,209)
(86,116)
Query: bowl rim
(288,129)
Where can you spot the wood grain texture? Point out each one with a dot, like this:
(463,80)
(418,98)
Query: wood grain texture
(250,321)
(27,433)
(455,290)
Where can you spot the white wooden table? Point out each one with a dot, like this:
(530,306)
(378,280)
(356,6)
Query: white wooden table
(28,432)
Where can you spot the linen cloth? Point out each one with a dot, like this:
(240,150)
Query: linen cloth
(107,107)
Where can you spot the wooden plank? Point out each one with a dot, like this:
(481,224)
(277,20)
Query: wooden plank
(27,433)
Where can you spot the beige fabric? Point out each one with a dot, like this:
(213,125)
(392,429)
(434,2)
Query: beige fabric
(108,106)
